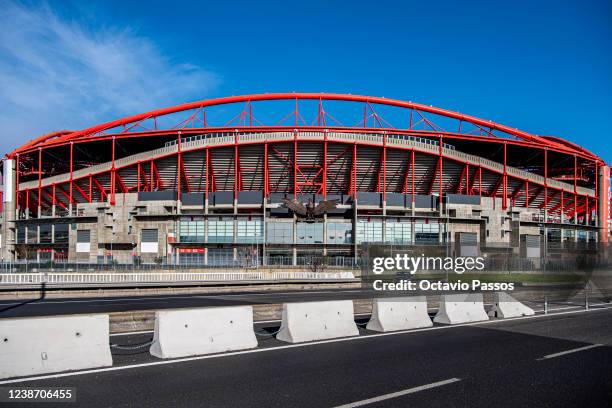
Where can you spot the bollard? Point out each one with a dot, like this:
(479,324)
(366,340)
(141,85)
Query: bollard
(545,304)
(586,299)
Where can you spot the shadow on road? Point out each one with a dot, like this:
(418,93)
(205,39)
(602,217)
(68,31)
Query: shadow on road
(43,292)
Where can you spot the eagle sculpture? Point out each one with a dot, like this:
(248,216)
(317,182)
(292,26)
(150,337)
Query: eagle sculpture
(310,210)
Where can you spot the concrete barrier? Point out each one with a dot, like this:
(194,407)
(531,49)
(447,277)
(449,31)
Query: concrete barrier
(41,345)
(461,308)
(505,306)
(190,332)
(391,314)
(317,321)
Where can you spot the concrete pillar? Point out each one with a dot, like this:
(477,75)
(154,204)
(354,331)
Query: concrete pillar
(9,199)
(603,209)
(356,255)
(325,234)
(263,231)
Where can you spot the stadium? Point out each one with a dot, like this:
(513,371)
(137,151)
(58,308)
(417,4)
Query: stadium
(275,179)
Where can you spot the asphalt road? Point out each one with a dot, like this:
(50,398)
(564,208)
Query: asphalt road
(557,360)
(53,306)
(59,306)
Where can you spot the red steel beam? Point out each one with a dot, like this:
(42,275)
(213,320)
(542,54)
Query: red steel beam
(56,139)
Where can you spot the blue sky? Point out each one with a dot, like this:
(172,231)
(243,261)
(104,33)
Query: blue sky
(541,66)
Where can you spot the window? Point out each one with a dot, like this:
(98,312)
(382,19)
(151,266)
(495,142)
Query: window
(249,231)
(191,231)
(60,234)
(309,232)
(149,241)
(399,233)
(339,233)
(21,234)
(369,231)
(554,235)
(83,236)
(83,243)
(32,234)
(220,230)
(46,235)
(279,232)
(149,235)
(426,233)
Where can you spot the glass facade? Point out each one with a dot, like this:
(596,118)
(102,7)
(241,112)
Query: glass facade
(220,230)
(426,233)
(369,231)
(309,232)
(21,234)
(32,234)
(279,232)
(398,233)
(249,231)
(339,233)
(60,234)
(191,231)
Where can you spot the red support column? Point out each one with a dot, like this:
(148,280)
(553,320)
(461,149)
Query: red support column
(354,172)
(207,164)
(112,198)
(468,189)
(480,181)
(505,187)
(266,175)
(237,185)
(596,192)
(179,165)
(151,171)
(138,177)
(561,202)
(324,183)
(384,164)
(575,188)
(72,170)
(90,186)
(545,182)
(17,182)
(412,164)
(526,194)
(295,156)
(440,172)
(39,180)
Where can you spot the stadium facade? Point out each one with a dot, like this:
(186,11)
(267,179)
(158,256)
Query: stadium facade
(205,183)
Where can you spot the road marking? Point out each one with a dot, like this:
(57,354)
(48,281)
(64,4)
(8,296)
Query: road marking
(398,393)
(576,350)
(289,346)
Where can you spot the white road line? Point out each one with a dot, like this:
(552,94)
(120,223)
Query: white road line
(398,393)
(563,353)
(289,346)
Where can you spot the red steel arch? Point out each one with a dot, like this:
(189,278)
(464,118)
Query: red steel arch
(133,122)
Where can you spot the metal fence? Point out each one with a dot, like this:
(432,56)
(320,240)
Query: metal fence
(169,277)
